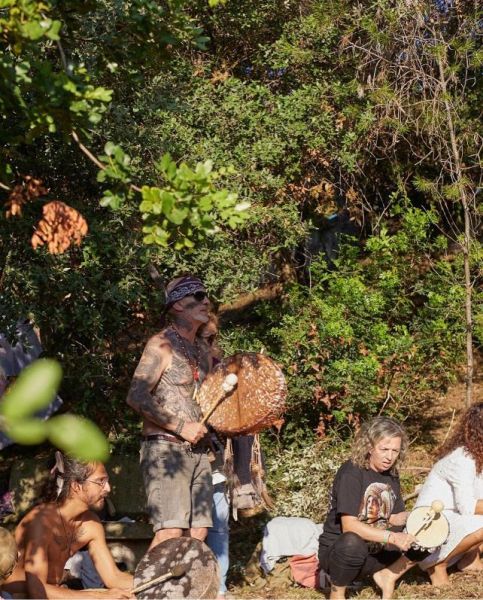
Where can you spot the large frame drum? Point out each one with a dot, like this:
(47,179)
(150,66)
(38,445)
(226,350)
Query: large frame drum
(201,578)
(255,403)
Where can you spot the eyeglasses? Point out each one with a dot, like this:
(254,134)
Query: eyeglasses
(199,296)
(102,483)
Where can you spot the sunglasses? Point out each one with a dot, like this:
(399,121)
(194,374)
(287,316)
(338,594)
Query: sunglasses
(199,296)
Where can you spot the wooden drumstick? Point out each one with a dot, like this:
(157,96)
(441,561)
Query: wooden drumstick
(176,571)
(228,385)
(436,507)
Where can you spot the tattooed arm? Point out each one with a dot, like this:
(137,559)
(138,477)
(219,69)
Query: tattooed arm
(155,359)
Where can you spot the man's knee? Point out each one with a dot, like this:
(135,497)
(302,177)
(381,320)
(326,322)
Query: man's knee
(165,534)
(199,533)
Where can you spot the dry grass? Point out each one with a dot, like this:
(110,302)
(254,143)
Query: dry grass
(415,585)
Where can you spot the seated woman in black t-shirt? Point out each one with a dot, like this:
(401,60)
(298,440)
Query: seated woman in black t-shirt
(363,530)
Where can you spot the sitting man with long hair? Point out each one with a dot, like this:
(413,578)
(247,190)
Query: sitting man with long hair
(53,531)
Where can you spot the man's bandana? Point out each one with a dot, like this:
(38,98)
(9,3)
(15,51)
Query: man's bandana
(185,287)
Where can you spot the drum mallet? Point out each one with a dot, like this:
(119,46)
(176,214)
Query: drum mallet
(228,385)
(176,571)
(436,507)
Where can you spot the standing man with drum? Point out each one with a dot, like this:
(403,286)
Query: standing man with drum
(174,461)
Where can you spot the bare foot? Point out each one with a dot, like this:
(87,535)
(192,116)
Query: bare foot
(385,581)
(470,561)
(439,576)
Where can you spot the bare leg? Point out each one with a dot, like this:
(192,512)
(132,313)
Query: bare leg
(199,533)
(438,573)
(386,578)
(471,561)
(337,592)
(165,534)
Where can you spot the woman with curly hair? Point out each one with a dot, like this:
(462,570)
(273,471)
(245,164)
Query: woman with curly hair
(457,480)
(363,530)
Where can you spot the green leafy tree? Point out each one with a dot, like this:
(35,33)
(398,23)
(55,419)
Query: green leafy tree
(284,101)
(47,89)
(424,61)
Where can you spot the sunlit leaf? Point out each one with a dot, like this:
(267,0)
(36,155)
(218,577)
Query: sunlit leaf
(34,389)
(27,431)
(78,436)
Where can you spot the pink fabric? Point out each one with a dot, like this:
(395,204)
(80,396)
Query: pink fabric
(305,570)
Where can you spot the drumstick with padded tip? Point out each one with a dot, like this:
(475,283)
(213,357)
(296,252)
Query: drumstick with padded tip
(436,507)
(228,385)
(176,571)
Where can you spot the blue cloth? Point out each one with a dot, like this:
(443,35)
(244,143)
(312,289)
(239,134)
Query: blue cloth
(218,535)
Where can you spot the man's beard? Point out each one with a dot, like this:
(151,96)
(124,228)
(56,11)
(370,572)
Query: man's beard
(98,504)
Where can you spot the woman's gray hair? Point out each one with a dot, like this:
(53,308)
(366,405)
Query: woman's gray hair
(373,431)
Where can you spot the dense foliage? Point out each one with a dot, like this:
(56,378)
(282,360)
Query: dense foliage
(246,141)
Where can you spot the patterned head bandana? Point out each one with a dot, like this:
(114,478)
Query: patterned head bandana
(185,286)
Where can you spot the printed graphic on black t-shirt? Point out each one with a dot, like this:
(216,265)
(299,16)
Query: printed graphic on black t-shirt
(370,496)
(377,505)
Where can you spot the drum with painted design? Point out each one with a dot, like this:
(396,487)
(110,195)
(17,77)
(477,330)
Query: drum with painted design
(200,578)
(430,527)
(255,403)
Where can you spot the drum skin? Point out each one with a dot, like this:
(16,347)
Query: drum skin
(257,401)
(201,579)
(432,536)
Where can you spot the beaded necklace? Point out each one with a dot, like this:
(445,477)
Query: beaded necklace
(194,363)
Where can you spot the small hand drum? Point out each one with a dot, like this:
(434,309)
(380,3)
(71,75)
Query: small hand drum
(197,563)
(428,525)
(254,403)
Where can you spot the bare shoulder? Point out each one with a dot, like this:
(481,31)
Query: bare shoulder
(44,512)
(159,341)
(89,516)
(39,521)
(89,527)
(155,359)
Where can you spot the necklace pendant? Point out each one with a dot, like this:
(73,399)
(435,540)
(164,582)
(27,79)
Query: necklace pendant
(196,375)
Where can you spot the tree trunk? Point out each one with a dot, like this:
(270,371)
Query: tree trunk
(465,245)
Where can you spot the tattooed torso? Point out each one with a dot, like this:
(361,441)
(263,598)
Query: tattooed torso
(175,389)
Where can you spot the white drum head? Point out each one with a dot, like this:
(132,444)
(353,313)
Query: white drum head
(429,533)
